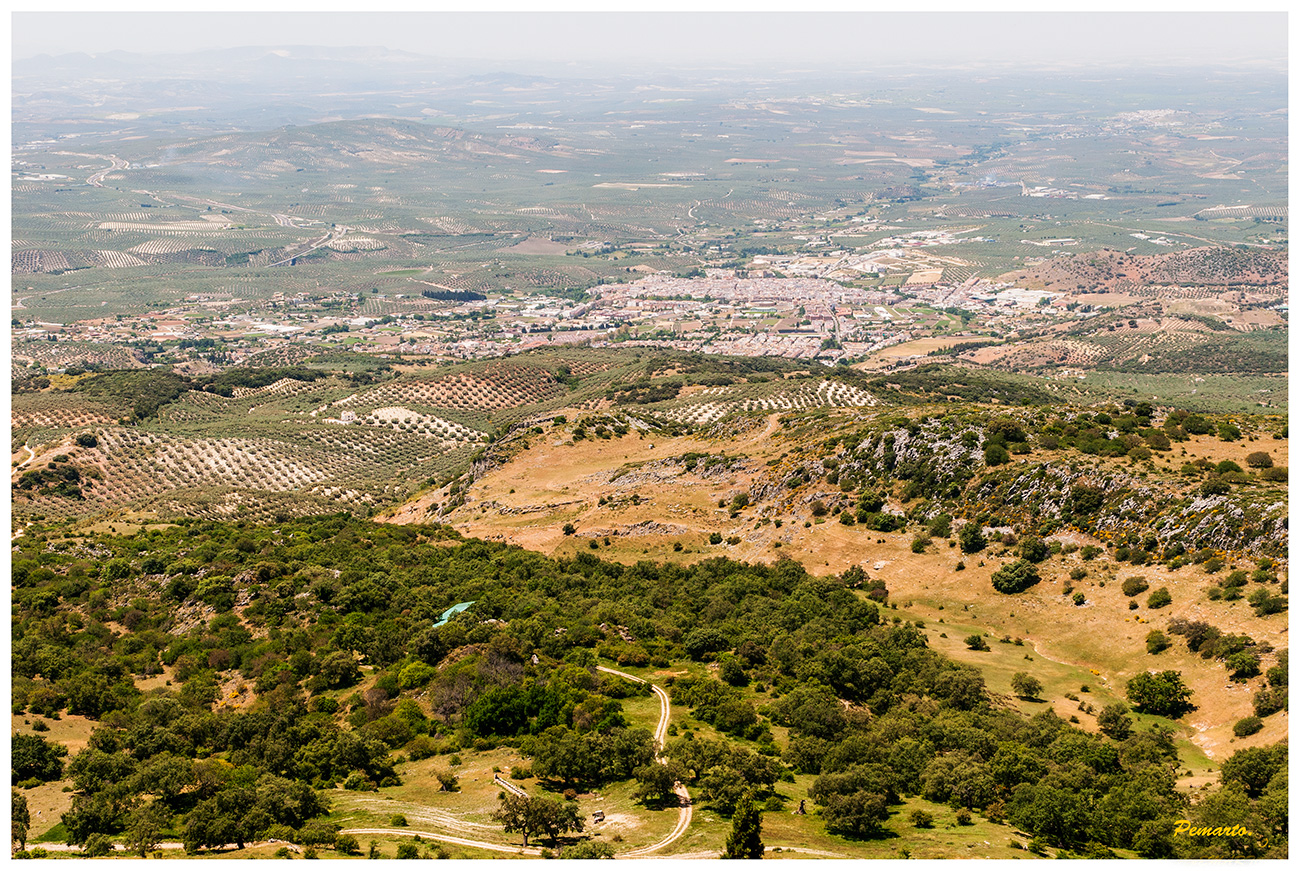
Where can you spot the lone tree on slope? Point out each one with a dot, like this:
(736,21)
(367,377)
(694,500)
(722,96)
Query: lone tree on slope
(745,840)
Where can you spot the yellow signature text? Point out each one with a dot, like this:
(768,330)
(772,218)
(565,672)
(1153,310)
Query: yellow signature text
(1185,827)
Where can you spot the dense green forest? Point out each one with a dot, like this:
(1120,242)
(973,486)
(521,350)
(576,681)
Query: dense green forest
(334,624)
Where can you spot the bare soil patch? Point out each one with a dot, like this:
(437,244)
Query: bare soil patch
(537,245)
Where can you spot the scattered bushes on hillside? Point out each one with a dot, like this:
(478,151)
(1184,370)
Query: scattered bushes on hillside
(867,707)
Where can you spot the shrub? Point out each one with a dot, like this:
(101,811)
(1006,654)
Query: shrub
(98,844)
(33,758)
(1157,440)
(421,748)
(971,537)
(588,850)
(398,821)
(1163,694)
(1134,585)
(447,781)
(316,833)
(1015,577)
(1090,552)
(1242,665)
(417,674)
(1247,726)
(884,521)
(922,819)
(1255,459)
(1277,675)
(1080,599)
(1265,603)
(963,817)
(700,643)
(358,782)
(324,704)
(1270,701)
(1033,549)
(976,642)
(347,845)
(1026,686)
(1159,598)
(1114,721)
(1277,474)
(1215,486)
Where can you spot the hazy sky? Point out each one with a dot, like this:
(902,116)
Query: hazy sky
(787,38)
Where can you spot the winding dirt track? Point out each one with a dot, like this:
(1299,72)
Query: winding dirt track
(685,812)
(661,732)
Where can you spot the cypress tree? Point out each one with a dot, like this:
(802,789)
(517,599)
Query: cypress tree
(745,840)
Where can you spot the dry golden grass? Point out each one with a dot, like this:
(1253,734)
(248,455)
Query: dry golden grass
(536,245)
(919,346)
(556,481)
(47,802)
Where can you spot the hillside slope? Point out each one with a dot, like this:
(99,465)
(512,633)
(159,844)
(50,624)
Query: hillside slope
(799,486)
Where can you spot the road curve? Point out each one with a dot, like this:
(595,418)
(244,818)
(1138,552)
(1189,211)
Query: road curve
(447,839)
(685,811)
(661,730)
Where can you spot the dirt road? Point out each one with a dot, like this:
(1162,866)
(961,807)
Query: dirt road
(448,839)
(685,811)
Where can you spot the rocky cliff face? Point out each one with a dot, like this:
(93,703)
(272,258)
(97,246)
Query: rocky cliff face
(937,465)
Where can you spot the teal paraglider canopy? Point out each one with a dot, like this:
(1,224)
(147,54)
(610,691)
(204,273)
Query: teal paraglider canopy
(452,612)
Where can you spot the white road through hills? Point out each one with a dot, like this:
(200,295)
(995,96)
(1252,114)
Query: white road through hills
(661,733)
